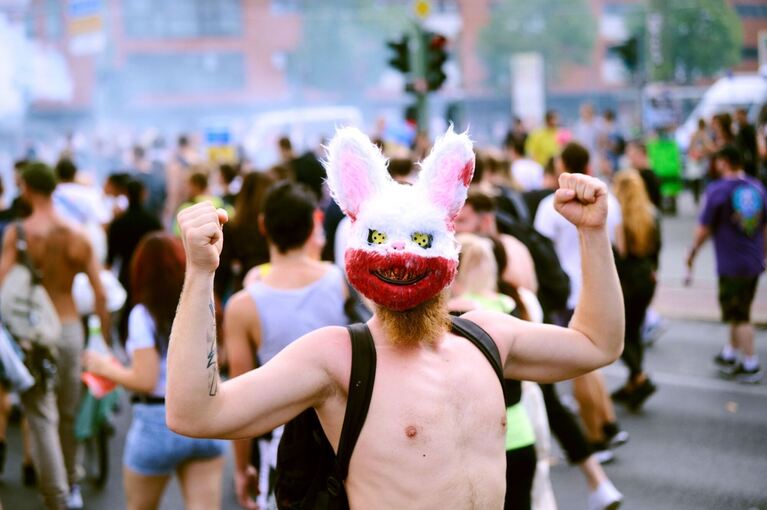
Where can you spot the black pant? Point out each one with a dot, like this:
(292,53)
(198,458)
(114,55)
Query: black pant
(520,472)
(565,427)
(636,300)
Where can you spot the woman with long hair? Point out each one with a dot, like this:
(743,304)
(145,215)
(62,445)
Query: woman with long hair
(245,245)
(152,452)
(637,247)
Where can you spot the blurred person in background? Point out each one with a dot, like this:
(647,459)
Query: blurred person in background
(612,144)
(59,251)
(637,250)
(745,141)
(246,242)
(181,164)
(526,171)
(588,132)
(735,216)
(761,144)
(197,191)
(83,205)
(123,236)
(543,143)
(723,134)
(151,173)
(261,320)
(478,217)
(596,408)
(698,159)
(517,133)
(152,452)
(636,156)
(230,182)
(549,185)
(116,193)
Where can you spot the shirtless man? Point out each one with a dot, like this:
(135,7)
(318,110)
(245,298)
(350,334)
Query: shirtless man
(434,435)
(59,251)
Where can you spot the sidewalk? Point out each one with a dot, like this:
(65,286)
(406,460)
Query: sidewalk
(699,302)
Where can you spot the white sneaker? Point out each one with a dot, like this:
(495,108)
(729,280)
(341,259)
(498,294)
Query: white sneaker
(604,456)
(75,498)
(605,497)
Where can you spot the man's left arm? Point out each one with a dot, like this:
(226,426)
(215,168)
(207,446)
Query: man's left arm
(546,353)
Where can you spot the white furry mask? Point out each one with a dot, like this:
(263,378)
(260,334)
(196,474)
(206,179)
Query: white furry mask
(401,250)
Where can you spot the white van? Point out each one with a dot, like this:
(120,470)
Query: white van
(725,95)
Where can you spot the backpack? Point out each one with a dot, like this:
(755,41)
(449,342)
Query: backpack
(309,474)
(553,282)
(26,309)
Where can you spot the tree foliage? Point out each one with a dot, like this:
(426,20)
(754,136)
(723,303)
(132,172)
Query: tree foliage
(343,46)
(699,38)
(563,31)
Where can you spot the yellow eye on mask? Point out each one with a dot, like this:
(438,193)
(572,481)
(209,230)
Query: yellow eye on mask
(376,237)
(421,239)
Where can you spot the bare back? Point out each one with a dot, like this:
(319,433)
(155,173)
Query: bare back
(434,435)
(59,251)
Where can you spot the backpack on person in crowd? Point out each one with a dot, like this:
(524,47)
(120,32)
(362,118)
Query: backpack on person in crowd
(309,475)
(553,282)
(25,307)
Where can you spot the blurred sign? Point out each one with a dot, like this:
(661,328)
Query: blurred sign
(422,8)
(528,87)
(219,143)
(86,27)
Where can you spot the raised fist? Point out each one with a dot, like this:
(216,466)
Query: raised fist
(582,200)
(202,235)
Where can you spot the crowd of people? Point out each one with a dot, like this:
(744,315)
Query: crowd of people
(282,275)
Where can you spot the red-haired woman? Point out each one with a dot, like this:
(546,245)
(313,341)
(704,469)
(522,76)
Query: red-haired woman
(152,452)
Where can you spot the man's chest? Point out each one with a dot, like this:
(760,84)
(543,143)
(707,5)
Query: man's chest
(451,399)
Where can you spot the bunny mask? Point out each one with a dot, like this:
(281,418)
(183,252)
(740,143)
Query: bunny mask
(401,249)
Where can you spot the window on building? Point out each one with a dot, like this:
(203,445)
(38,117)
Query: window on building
(749,53)
(184,73)
(751,10)
(182,18)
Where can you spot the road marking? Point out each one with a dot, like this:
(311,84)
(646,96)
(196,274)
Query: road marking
(695,382)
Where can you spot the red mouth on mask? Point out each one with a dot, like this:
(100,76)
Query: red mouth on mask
(398,281)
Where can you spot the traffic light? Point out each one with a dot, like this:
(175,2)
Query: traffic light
(400,60)
(435,57)
(628,52)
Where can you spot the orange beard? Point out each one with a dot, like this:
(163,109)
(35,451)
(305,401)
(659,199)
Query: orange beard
(426,323)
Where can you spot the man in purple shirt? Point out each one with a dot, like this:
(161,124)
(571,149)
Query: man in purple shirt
(735,214)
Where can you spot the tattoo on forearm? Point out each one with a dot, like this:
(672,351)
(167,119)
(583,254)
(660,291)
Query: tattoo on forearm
(212,362)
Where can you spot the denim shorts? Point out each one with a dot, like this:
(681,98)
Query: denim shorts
(152,449)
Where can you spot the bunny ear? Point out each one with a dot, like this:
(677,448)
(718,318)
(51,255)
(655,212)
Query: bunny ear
(446,173)
(356,169)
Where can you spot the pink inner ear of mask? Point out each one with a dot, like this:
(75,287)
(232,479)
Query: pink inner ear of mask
(356,185)
(456,174)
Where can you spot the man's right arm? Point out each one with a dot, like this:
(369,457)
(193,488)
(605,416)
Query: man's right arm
(197,403)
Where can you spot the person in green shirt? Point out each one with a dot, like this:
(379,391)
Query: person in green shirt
(197,191)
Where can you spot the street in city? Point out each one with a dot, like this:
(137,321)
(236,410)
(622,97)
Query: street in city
(699,443)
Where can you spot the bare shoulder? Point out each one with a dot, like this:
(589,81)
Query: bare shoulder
(328,347)
(240,305)
(501,327)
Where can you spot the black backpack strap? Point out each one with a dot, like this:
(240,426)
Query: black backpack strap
(361,384)
(481,339)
